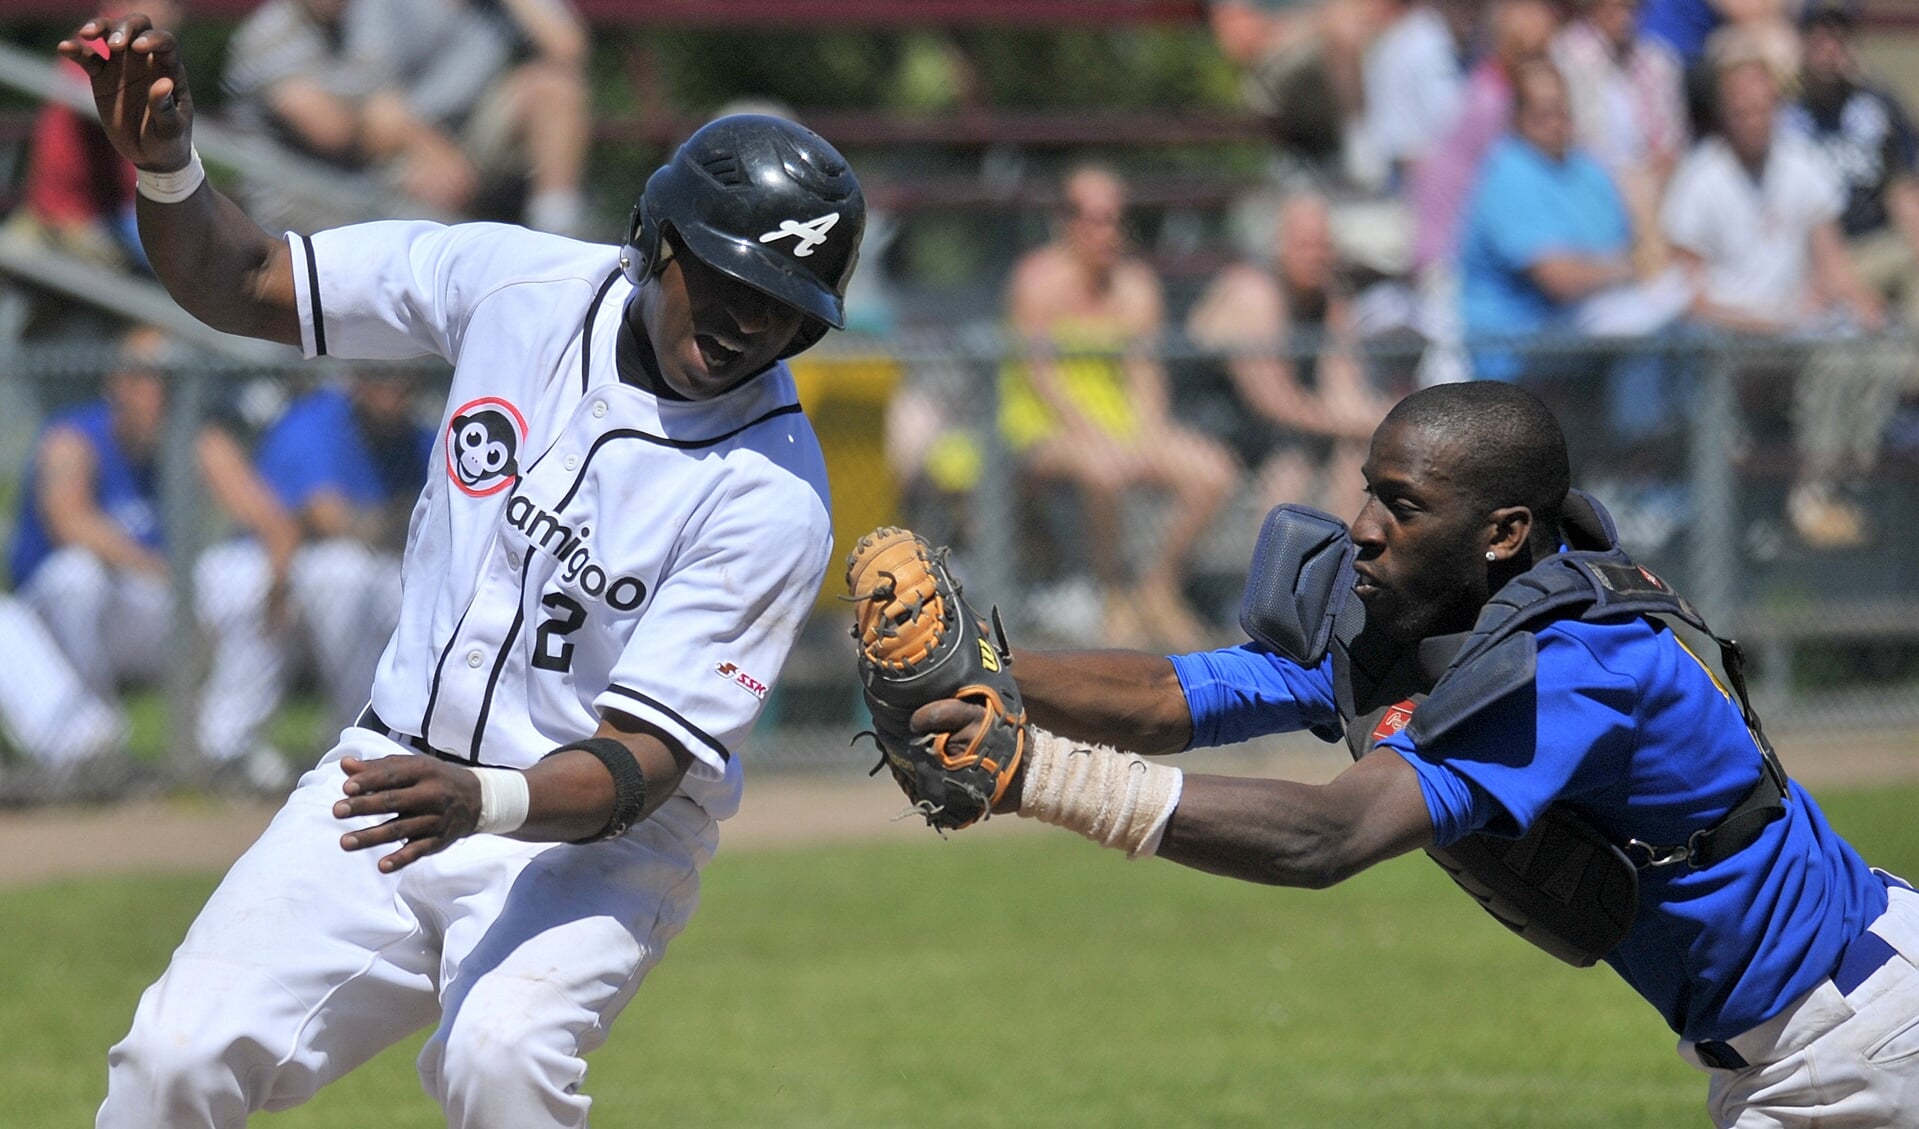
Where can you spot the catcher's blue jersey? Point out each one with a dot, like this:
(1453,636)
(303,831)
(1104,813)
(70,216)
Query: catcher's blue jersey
(1627,727)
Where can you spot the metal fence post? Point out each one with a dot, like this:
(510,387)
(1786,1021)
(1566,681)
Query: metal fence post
(1713,545)
(183,516)
(994,530)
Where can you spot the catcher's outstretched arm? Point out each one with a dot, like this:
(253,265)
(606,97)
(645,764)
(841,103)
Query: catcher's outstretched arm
(1284,833)
(1126,699)
(216,262)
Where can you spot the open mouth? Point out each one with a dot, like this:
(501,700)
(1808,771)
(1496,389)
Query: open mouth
(716,352)
(1364,585)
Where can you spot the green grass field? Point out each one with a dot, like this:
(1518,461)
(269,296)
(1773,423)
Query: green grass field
(1002,981)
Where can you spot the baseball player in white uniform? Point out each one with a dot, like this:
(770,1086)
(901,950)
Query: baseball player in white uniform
(624,528)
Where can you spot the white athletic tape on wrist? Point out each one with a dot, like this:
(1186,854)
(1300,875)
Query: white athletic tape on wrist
(504,800)
(172,187)
(1115,799)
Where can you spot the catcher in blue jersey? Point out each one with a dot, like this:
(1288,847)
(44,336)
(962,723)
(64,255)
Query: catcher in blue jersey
(1547,719)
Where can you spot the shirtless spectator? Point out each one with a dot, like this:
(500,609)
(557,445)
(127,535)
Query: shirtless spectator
(432,96)
(1304,409)
(1087,405)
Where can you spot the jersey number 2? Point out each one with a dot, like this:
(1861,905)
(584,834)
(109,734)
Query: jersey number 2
(568,617)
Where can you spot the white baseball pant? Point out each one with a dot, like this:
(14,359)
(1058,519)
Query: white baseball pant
(307,961)
(111,623)
(1834,1059)
(47,712)
(345,598)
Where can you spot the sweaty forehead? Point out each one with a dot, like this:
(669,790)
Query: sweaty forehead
(1413,457)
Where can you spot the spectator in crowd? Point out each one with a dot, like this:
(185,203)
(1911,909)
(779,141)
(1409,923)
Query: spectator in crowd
(1414,82)
(77,194)
(1868,139)
(432,95)
(341,469)
(1629,109)
(1752,215)
(1546,250)
(88,555)
(1087,405)
(1304,410)
(1520,31)
(1301,62)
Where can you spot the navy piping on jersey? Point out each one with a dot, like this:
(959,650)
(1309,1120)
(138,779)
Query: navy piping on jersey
(586,332)
(645,700)
(313,291)
(663,441)
(499,664)
(433,693)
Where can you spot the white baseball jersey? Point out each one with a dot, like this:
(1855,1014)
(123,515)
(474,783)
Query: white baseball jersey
(581,544)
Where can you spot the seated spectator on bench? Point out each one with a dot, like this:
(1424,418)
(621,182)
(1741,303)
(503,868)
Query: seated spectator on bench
(1868,139)
(1752,215)
(1302,410)
(459,106)
(1087,405)
(1629,110)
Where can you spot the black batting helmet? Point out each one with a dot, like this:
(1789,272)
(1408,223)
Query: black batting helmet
(765,201)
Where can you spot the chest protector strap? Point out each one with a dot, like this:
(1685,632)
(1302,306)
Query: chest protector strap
(1565,886)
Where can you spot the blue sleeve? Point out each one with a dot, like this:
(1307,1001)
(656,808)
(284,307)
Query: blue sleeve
(1499,770)
(1243,692)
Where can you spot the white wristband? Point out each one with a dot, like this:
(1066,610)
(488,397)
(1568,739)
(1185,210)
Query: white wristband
(504,800)
(172,187)
(1115,799)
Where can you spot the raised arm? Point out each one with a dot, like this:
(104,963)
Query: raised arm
(216,262)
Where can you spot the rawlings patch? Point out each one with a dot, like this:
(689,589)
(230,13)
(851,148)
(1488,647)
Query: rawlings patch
(1393,720)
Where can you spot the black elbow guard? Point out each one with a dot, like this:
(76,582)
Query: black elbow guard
(629,784)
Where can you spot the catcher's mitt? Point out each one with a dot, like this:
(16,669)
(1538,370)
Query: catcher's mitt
(919,642)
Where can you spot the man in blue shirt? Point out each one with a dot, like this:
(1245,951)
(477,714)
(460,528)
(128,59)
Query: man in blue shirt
(1785,964)
(344,466)
(1545,228)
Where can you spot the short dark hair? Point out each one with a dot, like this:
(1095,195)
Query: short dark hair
(1506,447)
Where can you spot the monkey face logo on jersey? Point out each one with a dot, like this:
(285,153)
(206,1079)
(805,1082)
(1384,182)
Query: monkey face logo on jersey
(483,446)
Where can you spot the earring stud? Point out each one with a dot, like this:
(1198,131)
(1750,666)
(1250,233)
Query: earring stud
(1491,556)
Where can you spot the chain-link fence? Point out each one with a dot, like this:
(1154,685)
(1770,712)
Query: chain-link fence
(154,608)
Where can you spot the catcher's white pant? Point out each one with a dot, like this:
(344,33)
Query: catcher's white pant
(111,623)
(307,961)
(1834,1060)
(345,599)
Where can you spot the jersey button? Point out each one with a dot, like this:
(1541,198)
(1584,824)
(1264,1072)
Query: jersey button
(513,559)
(599,408)
(474,659)
(573,462)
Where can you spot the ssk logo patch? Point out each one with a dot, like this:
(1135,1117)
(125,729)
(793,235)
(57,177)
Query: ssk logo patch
(483,442)
(1393,720)
(732,673)
(806,236)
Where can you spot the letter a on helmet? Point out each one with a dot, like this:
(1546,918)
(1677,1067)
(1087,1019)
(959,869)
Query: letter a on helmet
(762,200)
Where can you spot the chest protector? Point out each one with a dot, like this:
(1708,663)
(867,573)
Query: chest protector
(1566,886)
